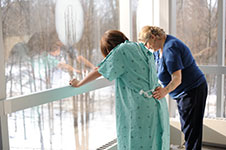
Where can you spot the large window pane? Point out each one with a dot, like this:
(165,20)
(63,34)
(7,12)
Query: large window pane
(197,26)
(48,42)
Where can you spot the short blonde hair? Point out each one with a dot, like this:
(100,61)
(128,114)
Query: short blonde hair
(148,31)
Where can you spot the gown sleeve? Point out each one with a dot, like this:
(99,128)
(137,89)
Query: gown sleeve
(113,65)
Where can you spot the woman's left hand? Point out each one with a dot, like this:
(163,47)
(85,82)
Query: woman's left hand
(159,93)
(74,83)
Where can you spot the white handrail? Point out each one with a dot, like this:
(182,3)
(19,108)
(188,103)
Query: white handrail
(14,104)
(213,69)
(27,101)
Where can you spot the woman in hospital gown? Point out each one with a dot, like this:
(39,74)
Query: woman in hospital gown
(142,121)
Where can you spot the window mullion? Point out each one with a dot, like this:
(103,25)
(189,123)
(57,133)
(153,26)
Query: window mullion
(220,57)
(125,15)
(4,136)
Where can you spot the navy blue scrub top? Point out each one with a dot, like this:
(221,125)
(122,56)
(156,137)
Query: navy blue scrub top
(177,56)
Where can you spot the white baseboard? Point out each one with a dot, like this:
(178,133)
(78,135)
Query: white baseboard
(214,132)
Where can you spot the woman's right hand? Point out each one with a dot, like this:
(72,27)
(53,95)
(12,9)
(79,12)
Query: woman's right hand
(74,83)
(159,93)
(94,74)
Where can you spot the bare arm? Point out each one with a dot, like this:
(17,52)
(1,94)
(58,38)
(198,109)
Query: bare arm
(160,92)
(175,82)
(90,77)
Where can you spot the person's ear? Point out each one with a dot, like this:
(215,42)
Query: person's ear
(153,37)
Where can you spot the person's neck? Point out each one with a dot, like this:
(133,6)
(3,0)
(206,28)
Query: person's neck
(163,42)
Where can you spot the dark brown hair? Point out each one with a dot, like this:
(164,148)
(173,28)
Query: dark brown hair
(110,40)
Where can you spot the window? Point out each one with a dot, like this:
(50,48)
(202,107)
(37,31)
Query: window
(47,43)
(197,26)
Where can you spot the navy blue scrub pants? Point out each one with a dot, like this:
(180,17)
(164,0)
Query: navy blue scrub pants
(191,108)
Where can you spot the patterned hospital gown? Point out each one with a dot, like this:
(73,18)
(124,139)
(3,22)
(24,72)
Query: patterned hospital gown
(142,123)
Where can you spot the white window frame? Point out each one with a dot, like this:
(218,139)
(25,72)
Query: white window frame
(220,58)
(125,17)
(4,140)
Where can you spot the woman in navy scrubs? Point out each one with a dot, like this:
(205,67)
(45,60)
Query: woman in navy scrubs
(181,79)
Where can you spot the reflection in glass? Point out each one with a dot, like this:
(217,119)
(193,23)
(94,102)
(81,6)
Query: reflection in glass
(49,40)
(69,21)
